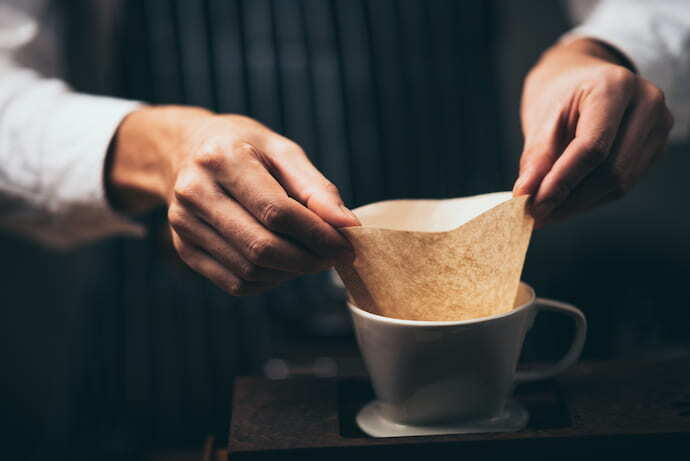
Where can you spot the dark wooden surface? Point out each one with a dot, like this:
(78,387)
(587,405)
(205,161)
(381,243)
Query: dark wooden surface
(596,410)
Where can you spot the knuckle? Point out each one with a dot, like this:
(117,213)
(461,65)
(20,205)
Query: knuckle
(279,147)
(239,118)
(210,157)
(244,149)
(250,272)
(175,216)
(188,189)
(618,77)
(653,103)
(656,96)
(237,287)
(331,188)
(273,214)
(260,250)
(285,146)
(657,99)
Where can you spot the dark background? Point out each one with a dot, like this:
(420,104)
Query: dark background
(118,344)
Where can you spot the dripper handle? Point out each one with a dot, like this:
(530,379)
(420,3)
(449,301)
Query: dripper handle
(573,354)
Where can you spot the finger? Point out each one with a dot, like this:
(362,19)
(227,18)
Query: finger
(250,183)
(595,190)
(597,127)
(538,156)
(202,263)
(235,224)
(631,158)
(660,122)
(565,212)
(654,148)
(292,168)
(198,233)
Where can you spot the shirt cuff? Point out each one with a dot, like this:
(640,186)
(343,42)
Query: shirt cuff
(646,58)
(89,208)
(74,199)
(653,44)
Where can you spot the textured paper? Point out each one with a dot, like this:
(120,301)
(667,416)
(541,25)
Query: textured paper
(454,259)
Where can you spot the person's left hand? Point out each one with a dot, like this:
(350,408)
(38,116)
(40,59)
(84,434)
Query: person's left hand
(591,128)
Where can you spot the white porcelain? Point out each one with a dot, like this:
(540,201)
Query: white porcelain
(452,376)
(371,420)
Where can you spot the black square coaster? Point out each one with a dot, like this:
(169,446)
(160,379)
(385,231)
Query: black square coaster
(543,400)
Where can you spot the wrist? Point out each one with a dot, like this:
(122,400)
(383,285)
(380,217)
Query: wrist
(144,155)
(596,49)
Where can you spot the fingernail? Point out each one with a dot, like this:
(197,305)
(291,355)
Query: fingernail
(518,183)
(347,212)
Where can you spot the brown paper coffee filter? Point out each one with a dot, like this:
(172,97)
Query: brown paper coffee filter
(455,259)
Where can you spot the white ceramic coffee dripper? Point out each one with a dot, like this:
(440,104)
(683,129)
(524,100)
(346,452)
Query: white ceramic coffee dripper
(452,377)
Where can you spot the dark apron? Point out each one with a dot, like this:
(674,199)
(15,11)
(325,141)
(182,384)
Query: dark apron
(390,99)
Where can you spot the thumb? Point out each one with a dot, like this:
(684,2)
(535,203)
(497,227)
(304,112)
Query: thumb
(535,163)
(325,201)
(542,148)
(306,184)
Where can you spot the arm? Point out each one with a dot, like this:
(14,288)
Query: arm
(246,207)
(53,143)
(653,36)
(592,126)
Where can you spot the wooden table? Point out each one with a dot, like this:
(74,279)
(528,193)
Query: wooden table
(597,410)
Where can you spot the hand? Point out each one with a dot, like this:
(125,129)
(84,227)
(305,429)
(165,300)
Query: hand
(246,207)
(591,129)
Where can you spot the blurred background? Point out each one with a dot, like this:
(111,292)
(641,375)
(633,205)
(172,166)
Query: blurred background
(117,346)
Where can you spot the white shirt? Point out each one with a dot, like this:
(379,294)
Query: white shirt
(655,37)
(53,141)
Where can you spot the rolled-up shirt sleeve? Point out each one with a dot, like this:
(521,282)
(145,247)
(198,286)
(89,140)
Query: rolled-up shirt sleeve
(53,148)
(655,37)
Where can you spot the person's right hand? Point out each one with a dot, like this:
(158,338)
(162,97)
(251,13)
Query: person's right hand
(246,207)
(592,129)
